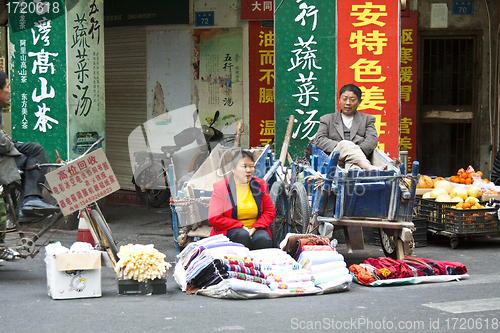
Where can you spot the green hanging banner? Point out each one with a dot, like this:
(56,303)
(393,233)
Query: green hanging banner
(305,70)
(24,14)
(38,74)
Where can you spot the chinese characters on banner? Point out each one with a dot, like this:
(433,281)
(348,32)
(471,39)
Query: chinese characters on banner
(253,10)
(82,182)
(409,86)
(220,77)
(305,68)
(37,74)
(85,36)
(368,56)
(261,82)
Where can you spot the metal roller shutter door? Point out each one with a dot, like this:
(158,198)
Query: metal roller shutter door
(126,95)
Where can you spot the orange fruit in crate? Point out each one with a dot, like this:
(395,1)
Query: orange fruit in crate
(472,200)
(466,205)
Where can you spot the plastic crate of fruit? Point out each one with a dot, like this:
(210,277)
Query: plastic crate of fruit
(471,221)
(433,212)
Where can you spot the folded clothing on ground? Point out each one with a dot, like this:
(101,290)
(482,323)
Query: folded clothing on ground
(310,259)
(387,269)
(324,277)
(295,242)
(245,270)
(326,267)
(246,277)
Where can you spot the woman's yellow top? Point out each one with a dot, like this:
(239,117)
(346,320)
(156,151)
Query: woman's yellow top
(247,208)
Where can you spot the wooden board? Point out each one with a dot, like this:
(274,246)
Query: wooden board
(421,191)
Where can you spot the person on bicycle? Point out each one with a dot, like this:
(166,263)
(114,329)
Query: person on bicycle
(240,206)
(25,154)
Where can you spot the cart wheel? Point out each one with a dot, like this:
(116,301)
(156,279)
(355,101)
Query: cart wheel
(279,227)
(454,242)
(389,243)
(299,209)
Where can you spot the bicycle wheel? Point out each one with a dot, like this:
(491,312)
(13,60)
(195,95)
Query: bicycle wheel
(151,185)
(388,243)
(104,232)
(279,227)
(197,161)
(11,211)
(300,211)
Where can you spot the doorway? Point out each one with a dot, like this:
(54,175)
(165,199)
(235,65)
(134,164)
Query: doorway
(448,103)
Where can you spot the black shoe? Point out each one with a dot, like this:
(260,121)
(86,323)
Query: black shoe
(33,216)
(38,206)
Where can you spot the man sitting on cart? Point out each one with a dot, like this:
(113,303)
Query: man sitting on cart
(349,132)
(240,206)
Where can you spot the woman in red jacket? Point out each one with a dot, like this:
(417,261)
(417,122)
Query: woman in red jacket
(241,207)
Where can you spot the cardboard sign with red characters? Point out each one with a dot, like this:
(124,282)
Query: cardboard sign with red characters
(82,182)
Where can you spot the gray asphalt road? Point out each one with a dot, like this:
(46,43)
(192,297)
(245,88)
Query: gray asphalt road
(471,305)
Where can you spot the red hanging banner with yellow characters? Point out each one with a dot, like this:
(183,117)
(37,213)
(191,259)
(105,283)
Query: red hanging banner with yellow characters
(261,84)
(368,56)
(408,73)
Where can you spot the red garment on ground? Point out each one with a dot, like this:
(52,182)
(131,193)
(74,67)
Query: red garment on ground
(398,269)
(361,274)
(445,267)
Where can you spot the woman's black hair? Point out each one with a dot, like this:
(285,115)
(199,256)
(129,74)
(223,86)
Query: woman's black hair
(3,79)
(352,88)
(241,154)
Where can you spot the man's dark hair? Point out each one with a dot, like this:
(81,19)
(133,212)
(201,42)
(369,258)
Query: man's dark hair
(3,79)
(352,88)
(239,156)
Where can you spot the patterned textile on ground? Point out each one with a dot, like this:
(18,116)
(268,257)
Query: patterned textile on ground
(245,270)
(375,271)
(222,269)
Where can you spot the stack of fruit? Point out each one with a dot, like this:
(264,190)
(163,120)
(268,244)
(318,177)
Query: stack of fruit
(444,192)
(469,203)
(468,176)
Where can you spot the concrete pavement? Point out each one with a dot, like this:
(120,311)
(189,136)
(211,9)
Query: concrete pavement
(25,306)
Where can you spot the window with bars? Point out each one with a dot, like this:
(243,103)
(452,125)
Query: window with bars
(446,83)
(448,72)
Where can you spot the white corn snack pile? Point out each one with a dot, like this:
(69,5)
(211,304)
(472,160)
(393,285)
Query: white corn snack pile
(141,262)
